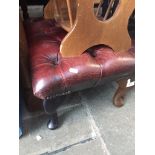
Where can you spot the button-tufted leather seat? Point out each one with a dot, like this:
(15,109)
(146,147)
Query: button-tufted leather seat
(54,75)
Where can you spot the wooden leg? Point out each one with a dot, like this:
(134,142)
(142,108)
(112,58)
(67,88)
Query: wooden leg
(118,99)
(53,122)
(50,107)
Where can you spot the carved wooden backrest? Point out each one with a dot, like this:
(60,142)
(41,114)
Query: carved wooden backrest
(86,30)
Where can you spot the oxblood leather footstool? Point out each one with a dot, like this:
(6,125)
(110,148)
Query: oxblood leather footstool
(54,76)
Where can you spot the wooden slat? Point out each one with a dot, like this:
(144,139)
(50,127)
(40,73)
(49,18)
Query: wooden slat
(70,13)
(108,10)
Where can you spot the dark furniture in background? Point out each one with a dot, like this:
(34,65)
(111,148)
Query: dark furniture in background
(32,102)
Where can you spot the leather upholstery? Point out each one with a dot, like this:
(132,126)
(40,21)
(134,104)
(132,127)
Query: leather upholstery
(54,75)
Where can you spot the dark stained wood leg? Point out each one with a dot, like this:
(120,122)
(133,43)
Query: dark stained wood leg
(118,99)
(53,122)
(50,107)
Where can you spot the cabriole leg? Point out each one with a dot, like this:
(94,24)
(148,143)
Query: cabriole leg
(124,86)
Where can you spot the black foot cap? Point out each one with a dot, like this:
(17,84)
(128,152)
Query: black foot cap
(53,123)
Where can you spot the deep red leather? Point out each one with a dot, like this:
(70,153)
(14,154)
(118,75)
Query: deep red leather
(53,75)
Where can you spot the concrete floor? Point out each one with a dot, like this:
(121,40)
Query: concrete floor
(89,125)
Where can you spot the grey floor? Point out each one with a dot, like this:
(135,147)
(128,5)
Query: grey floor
(89,125)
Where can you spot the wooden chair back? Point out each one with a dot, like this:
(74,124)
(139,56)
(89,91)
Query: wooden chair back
(85,30)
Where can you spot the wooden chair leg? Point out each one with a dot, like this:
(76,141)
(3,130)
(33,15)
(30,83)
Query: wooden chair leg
(118,99)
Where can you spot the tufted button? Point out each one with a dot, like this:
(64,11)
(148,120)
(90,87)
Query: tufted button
(54,60)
